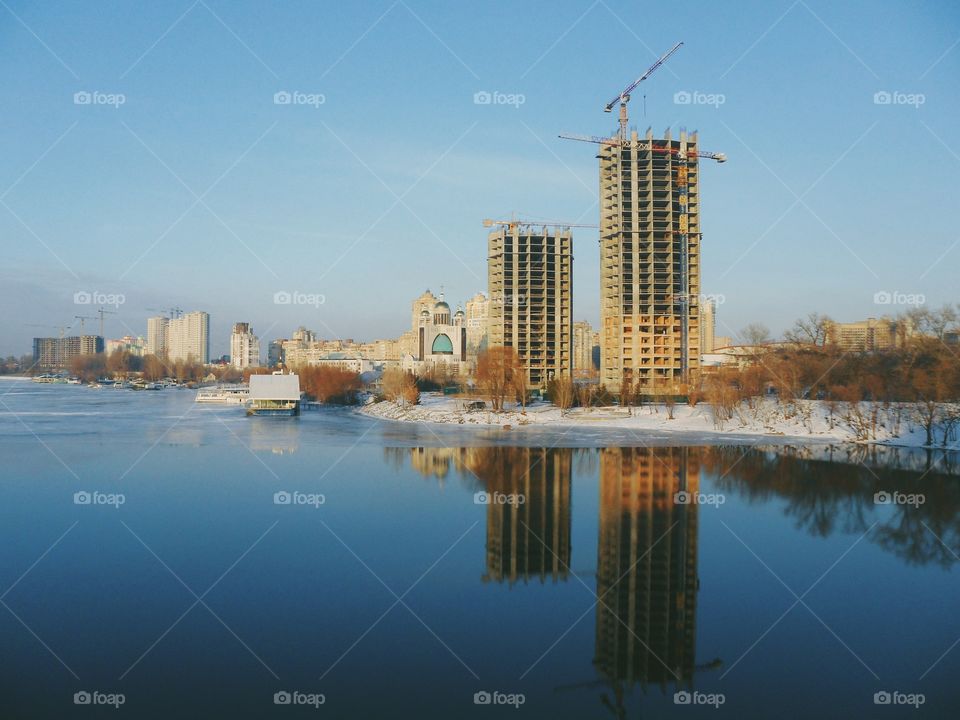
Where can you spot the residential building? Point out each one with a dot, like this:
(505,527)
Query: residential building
(133,345)
(188,337)
(57,353)
(157,332)
(649,261)
(478,320)
(244,347)
(530,278)
(868,335)
(708,325)
(583,339)
(721,341)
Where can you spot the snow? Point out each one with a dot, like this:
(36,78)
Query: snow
(802,420)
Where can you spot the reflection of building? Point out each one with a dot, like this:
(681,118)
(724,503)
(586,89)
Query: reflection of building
(530,276)
(647,566)
(56,353)
(532,539)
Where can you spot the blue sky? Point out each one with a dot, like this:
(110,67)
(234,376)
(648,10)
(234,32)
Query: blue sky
(200,191)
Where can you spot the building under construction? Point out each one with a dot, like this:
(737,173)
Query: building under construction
(530,278)
(649,262)
(649,253)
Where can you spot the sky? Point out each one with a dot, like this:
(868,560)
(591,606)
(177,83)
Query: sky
(150,163)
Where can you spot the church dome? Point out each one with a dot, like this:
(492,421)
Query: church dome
(442,305)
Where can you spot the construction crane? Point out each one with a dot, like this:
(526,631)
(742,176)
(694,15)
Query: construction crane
(102,313)
(618,142)
(624,96)
(173,312)
(81,318)
(515,222)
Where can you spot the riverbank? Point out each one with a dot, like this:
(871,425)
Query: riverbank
(803,420)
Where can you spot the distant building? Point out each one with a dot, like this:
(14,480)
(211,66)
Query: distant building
(583,342)
(721,341)
(530,278)
(133,345)
(57,353)
(188,337)
(275,352)
(244,347)
(708,325)
(157,329)
(868,335)
(478,320)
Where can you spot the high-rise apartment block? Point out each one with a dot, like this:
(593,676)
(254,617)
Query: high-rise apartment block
(56,353)
(244,347)
(157,328)
(649,261)
(189,337)
(530,276)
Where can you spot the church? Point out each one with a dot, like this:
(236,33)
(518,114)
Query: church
(439,337)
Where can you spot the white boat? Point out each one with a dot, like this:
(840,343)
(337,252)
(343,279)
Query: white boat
(224,394)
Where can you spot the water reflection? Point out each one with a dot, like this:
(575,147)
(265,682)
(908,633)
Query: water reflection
(646,567)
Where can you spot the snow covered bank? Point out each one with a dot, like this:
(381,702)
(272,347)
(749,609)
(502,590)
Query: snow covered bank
(809,420)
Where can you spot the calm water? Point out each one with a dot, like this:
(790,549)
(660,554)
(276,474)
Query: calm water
(402,596)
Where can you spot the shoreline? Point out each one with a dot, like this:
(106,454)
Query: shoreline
(809,422)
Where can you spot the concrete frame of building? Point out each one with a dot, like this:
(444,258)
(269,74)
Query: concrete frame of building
(530,282)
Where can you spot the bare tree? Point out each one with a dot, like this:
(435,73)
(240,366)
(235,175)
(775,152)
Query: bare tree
(811,330)
(400,387)
(499,371)
(755,334)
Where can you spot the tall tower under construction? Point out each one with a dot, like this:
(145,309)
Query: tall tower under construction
(649,261)
(530,276)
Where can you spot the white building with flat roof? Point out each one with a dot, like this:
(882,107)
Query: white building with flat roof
(188,337)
